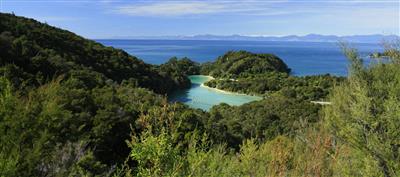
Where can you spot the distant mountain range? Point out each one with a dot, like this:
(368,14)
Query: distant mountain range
(376,38)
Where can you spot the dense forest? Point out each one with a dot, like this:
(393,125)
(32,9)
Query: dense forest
(34,53)
(179,69)
(73,107)
(236,64)
(263,74)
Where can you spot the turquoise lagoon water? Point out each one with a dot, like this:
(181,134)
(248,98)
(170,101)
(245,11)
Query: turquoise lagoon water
(304,58)
(204,98)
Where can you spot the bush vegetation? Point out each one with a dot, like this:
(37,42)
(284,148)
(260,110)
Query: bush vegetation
(264,74)
(72,107)
(357,135)
(235,64)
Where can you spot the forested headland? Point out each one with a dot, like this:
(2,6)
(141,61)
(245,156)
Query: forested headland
(265,74)
(73,107)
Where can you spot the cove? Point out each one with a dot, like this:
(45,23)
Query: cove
(200,96)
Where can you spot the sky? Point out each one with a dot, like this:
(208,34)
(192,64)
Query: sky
(129,18)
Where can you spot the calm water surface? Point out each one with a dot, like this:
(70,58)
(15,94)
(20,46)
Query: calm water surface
(204,98)
(304,58)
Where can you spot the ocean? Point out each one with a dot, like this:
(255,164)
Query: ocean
(304,58)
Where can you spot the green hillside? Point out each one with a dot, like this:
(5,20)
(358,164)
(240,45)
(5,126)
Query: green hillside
(264,74)
(33,53)
(63,95)
(72,107)
(236,64)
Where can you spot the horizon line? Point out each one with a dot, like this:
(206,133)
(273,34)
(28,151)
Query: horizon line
(240,35)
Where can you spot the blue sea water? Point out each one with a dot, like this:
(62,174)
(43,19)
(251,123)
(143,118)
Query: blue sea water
(304,58)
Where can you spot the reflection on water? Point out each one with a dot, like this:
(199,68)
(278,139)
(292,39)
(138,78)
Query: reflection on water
(204,98)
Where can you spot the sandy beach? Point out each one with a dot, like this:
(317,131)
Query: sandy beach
(219,90)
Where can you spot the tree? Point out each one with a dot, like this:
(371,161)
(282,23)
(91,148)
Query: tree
(365,110)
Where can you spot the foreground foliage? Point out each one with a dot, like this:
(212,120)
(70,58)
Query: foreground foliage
(312,152)
(359,136)
(369,116)
(72,107)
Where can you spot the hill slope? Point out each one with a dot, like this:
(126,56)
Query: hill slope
(32,53)
(236,64)
(263,74)
(64,96)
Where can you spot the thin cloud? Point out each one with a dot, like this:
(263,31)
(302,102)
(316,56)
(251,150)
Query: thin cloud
(170,9)
(231,7)
(183,8)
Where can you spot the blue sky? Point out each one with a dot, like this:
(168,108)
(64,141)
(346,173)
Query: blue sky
(115,18)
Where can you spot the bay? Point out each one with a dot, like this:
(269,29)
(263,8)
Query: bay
(304,58)
(202,97)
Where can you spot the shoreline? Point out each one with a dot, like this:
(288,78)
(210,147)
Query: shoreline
(222,91)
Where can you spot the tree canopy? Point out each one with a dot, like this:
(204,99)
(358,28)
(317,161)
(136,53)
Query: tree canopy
(236,64)
(73,107)
(33,53)
(264,74)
